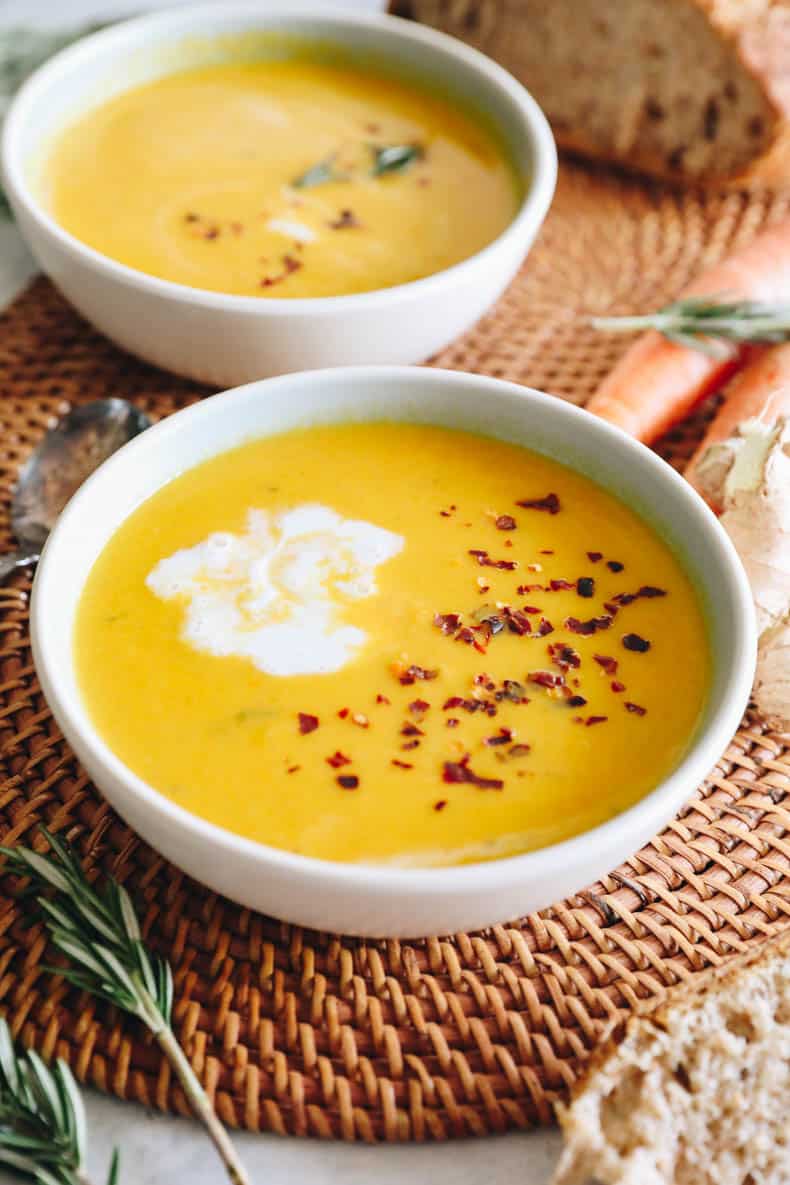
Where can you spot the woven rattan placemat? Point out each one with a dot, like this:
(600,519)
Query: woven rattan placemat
(315,1034)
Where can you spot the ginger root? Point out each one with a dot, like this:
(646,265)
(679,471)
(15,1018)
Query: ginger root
(748,477)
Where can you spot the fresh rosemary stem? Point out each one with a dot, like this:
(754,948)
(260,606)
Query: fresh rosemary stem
(705,324)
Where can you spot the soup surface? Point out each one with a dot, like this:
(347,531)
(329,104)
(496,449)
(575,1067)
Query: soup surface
(499,656)
(283,178)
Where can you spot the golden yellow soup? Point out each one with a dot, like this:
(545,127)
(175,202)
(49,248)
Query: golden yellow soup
(281,179)
(392,643)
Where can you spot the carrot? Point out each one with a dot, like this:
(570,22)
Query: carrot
(657,382)
(761,391)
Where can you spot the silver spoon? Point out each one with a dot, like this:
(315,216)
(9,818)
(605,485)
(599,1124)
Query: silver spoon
(66,456)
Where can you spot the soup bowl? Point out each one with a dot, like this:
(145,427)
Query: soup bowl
(225,339)
(369,899)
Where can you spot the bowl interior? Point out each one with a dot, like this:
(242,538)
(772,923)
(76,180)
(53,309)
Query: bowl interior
(141,50)
(519,415)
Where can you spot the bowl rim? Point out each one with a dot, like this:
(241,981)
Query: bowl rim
(647,814)
(392,30)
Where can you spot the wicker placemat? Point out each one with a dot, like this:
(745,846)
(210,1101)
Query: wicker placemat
(315,1034)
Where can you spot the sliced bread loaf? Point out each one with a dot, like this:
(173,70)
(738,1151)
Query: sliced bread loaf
(697,1092)
(697,90)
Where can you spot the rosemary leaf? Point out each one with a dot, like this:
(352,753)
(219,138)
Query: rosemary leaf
(99,933)
(319,174)
(704,325)
(395,158)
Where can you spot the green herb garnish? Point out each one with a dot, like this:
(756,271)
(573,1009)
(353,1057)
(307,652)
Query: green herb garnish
(42,1119)
(395,158)
(319,174)
(703,324)
(99,934)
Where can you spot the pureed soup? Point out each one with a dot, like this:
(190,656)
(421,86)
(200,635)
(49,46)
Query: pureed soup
(392,643)
(291,178)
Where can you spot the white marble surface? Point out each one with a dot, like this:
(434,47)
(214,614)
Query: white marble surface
(157,1150)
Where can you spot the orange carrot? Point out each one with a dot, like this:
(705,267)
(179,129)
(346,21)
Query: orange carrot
(760,391)
(657,382)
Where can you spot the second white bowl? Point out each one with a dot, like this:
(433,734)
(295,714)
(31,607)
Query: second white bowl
(225,340)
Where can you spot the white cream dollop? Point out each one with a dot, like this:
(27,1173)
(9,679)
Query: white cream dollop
(277,593)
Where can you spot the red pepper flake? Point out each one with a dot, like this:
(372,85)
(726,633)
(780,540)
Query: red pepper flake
(413,673)
(614,565)
(546,551)
(411,730)
(440,805)
(519,750)
(523,589)
(617,686)
(448,623)
(503,737)
(418,707)
(594,556)
(291,265)
(445,513)
(506,522)
(595,720)
(514,691)
(211,233)
(587,627)
(518,623)
(485,561)
(292,769)
(635,643)
(343,713)
(649,591)
(544,628)
(576,701)
(455,701)
(361,720)
(348,781)
(382,699)
(338,759)
(452,721)
(546,679)
(456,772)
(346,220)
(564,656)
(551,503)
(191,217)
(411,745)
(610,607)
(559,585)
(585,586)
(307,723)
(624,598)
(635,708)
(609,664)
(401,764)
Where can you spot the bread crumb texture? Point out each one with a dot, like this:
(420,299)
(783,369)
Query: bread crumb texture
(698,1092)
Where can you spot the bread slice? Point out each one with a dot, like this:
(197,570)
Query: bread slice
(697,1092)
(692,90)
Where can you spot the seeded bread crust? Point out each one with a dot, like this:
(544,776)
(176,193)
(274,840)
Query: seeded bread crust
(695,1091)
(687,90)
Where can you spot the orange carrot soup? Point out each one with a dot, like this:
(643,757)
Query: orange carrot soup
(392,643)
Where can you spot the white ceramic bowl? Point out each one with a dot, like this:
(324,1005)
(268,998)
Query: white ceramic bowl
(223,339)
(380,900)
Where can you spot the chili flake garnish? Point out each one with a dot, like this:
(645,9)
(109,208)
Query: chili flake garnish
(585,586)
(418,707)
(576,701)
(595,720)
(635,708)
(513,691)
(649,591)
(587,627)
(546,678)
(307,723)
(411,730)
(635,643)
(564,656)
(448,623)
(550,503)
(559,585)
(609,664)
(401,764)
(382,699)
(413,673)
(485,561)
(614,565)
(505,522)
(415,744)
(292,769)
(452,722)
(594,556)
(440,805)
(519,750)
(544,628)
(503,737)
(547,551)
(346,220)
(617,686)
(456,772)
(523,589)
(343,713)
(338,759)
(348,781)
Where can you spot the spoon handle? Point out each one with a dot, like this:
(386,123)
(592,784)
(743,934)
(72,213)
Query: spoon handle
(16,559)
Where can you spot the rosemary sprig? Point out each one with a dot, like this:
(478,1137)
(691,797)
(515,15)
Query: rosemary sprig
(99,934)
(395,158)
(42,1119)
(704,324)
